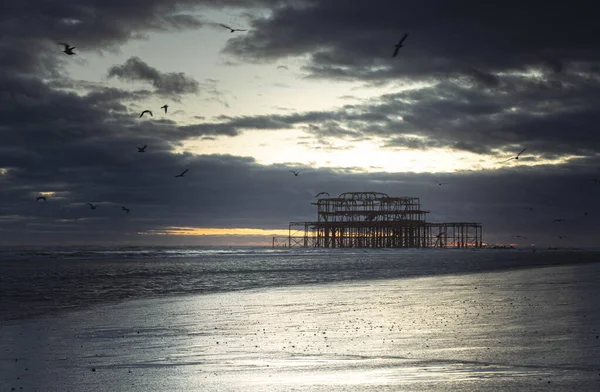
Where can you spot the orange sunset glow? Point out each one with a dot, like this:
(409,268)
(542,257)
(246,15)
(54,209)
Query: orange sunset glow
(210,231)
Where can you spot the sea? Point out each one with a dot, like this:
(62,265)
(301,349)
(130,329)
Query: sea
(264,319)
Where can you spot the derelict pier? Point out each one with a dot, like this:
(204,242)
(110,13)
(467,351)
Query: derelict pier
(376,220)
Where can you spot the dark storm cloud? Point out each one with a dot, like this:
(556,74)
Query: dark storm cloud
(31,29)
(227,191)
(78,140)
(517,112)
(458,113)
(500,75)
(81,147)
(355,40)
(496,84)
(487,79)
(172,83)
(75,146)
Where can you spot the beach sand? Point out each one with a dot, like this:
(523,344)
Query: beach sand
(526,330)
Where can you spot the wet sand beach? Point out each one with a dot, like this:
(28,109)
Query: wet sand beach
(528,330)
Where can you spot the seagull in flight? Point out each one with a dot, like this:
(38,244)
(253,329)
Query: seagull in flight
(517,157)
(229,28)
(295,172)
(93,207)
(182,174)
(125,209)
(371,216)
(142,149)
(68,49)
(165,107)
(322,193)
(558,220)
(146,111)
(40,198)
(442,183)
(399,45)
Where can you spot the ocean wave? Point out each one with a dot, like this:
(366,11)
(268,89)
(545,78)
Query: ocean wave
(42,281)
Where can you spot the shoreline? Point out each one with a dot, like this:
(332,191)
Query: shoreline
(100,303)
(486,330)
(39,308)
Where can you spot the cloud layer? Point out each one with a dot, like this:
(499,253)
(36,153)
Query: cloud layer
(172,83)
(466,80)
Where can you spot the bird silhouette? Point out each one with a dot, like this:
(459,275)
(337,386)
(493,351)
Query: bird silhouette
(517,157)
(322,193)
(586,213)
(182,174)
(40,198)
(562,237)
(229,28)
(519,236)
(68,49)
(146,111)
(371,216)
(442,183)
(295,173)
(142,149)
(558,220)
(125,209)
(399,45)
(165,107)
(93,207)
(530,208)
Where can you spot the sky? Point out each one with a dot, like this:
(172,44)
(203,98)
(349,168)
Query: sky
(311,86)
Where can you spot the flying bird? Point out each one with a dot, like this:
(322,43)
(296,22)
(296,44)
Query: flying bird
(295,173)
(530,208)
(517,157)
(562,236)
(125,209)
(93,207)
(442,183)
(399,45)
(229,28)
(371,216)
(558,220)
(68,49)
(322,193)
(519,236)
(182,174)
(146,111)
(40,198)
(142,149)
(586,213)
(165,107)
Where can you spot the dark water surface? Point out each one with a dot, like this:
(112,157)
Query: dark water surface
(258,320)
(40,282)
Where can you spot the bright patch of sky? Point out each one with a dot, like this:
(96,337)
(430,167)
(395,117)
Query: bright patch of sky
(261,89)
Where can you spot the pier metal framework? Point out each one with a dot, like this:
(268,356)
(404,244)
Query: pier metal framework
(376,220)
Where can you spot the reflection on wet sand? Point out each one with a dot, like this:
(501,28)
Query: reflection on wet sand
(520,329)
